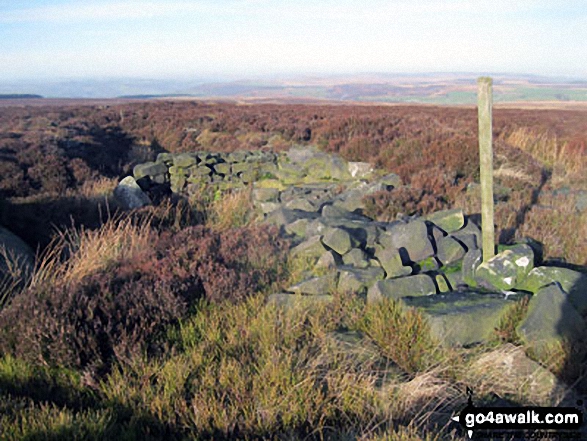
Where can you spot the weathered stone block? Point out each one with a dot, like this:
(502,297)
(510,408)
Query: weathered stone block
(419,285)
(298,227)
(508,268)
(328,260)
(149,169)
(360,170)
(290,301)
(461,319)
(316,285)
(311,247)
(129,195)
(449,220)
(338,240)
(448,250)
(358,280)
(283,216)
(222,168)
(413,237)
(471,262)
(391,180)
(550,320)
(265,194)
(301,204)
(391,262)
(572,282)
(185,160)
(357,258)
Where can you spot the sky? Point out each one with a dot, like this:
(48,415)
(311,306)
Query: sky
(42,40)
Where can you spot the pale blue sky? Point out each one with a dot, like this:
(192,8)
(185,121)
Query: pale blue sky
(246,38)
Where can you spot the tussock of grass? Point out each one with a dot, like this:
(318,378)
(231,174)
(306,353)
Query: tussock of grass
(506,329)
(549,150)
(402,335)
(93,250)
(231,210)
(14,275)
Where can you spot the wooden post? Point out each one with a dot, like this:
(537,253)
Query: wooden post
(485,103)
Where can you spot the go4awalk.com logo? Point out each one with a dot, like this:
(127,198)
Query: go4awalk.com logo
(557,422)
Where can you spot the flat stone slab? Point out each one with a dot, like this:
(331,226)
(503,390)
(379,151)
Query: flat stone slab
(419,285)
(461,319)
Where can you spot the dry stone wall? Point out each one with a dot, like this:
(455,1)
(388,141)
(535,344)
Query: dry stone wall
(432,263)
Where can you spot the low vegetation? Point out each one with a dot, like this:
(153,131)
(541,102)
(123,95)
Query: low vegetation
(154,324)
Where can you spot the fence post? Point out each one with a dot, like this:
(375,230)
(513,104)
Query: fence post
(484,104)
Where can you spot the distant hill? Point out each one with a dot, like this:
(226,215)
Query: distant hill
(429,88)
(18,96)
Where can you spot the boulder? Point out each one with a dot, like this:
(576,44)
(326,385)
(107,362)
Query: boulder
(358,280)
(413,237)
(298,227)
(391,262)
(515,375)
(338,240)
(357,258)
(316,285)
(325,166)
(448,220)
(269,207)
(222,168)
(283,216)
(506,269)
(360,170)
(449,250)
(311,248)
(149,169)
(328,260)
(15,254)
(301,204)
(572,282)
(551,319)
(471,262)
(291,301)
(465,233)
(461,319)
(419,285)
(391,180)
(185,160)
(265,194)
(442,283)
(129,195)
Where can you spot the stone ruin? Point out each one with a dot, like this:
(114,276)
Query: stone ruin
(432,263)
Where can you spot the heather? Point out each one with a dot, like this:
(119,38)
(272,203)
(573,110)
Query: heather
(154,324)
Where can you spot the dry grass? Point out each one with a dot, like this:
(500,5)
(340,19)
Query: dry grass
(552,152)
(87,251)
(15,274)
(95,188)
(231,210)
